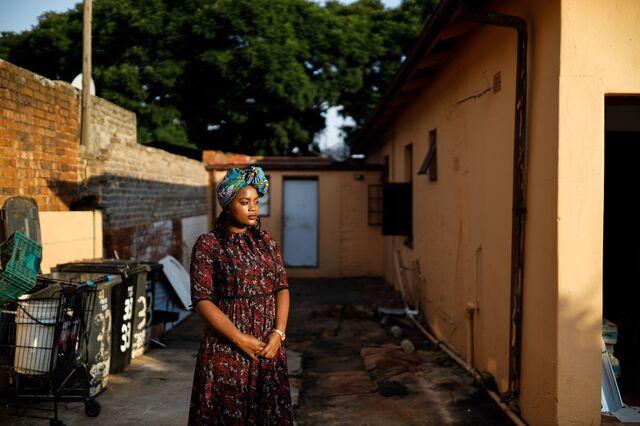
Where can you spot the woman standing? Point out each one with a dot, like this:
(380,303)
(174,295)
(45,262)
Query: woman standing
(239,287)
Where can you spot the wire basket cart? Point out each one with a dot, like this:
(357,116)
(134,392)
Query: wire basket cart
(44,346)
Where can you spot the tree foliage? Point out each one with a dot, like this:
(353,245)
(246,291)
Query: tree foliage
(253,76)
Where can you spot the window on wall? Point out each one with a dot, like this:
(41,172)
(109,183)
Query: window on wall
(408,162)
(430,163)
(385,170)
(265,203)
(397,209)
(397,200)
(375,205)
(408,177)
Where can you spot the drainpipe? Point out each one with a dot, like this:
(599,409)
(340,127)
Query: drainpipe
(519,183)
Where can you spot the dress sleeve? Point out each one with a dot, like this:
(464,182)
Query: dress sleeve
(201,270)
(281,273)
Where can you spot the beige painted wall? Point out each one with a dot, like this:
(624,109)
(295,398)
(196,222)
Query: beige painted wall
(69,236)
(348,246)
(600,55)
(579,52)
(462,222)
(539,376)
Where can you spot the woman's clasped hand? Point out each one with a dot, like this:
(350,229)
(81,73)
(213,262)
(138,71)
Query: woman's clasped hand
(255,348)
(271,348)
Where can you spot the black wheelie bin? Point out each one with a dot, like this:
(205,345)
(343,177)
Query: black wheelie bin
(130,305)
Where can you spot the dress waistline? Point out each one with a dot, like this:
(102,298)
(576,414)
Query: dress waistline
(245,296)
(250,296)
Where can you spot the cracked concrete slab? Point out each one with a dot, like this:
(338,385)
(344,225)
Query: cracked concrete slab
(348,370)
(356,373)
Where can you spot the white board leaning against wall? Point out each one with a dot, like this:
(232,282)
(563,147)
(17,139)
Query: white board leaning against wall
(192,228)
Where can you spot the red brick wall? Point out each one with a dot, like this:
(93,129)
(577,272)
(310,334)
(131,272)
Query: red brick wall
(144,192)
(145,241)
(39,127)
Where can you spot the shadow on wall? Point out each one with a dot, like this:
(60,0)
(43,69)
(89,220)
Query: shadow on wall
(142,219)
(580,358)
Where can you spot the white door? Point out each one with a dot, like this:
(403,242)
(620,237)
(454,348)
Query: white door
(300,222)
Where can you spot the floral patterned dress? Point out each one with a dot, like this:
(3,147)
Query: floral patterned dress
(241,275)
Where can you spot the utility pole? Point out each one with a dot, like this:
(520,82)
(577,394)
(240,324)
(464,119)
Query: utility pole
(86,73)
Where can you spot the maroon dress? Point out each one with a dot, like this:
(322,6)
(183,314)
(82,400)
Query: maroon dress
(241,275)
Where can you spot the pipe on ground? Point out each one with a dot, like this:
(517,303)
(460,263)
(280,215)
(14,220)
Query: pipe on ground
(442,345)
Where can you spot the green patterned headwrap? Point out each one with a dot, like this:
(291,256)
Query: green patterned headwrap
(236,179)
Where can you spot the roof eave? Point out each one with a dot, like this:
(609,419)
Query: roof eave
(444,12)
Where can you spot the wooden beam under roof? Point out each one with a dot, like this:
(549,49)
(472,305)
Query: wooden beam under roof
(415,84)
(446,12)
(454,29)
(433,59)
(457,29)
(403,99)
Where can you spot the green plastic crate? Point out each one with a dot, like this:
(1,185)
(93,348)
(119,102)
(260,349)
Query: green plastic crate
(20,258)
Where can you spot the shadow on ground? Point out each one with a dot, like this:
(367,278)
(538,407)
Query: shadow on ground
(354,371)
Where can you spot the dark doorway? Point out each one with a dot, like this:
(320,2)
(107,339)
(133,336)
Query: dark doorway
(621,268)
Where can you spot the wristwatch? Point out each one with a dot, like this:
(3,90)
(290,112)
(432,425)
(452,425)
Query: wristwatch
(281,333)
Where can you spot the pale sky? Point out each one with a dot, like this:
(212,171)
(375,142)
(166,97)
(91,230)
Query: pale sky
(20,15)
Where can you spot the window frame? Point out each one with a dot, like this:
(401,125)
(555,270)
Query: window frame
(375,204)
(430,163)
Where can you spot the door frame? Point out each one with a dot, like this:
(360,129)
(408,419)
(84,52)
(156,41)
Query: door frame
(282,224)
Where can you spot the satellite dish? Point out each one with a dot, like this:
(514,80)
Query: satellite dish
(339,152)
(77,83)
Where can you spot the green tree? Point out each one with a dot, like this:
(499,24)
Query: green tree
(388,36)
(243,75)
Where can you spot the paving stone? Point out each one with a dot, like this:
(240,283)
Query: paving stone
(343,383)
(295,385)
(355,373)
(388,360)
(294,363)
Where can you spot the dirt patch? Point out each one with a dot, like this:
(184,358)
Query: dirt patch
(356,372)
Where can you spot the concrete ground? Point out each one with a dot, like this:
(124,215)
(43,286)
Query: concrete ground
(354,371)
(154,390)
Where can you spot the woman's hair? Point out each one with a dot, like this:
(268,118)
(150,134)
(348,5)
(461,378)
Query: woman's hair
(221,227)
(224,219)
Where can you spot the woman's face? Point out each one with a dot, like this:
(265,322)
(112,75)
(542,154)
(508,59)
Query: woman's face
(244,208)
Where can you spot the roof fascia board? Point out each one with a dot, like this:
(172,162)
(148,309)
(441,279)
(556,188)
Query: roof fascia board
(445,11)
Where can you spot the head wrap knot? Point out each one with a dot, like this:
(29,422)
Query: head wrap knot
(236,179)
